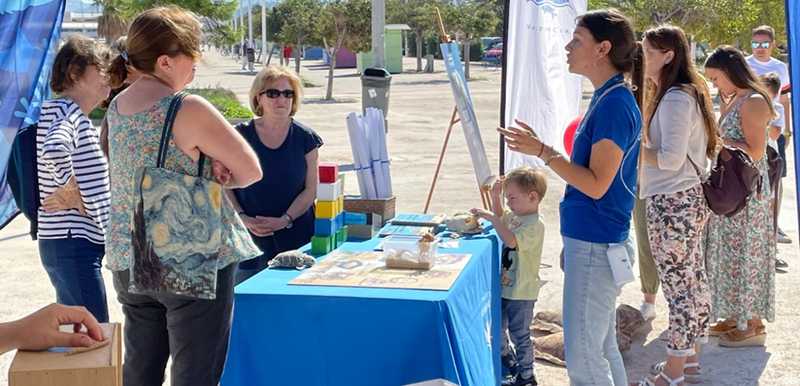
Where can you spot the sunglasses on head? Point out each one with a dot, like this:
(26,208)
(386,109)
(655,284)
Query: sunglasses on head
(273,93)
(757,45)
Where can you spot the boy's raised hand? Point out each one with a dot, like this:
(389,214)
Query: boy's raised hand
(497,187)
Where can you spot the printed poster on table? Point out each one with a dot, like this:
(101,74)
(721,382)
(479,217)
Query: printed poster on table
(368,269)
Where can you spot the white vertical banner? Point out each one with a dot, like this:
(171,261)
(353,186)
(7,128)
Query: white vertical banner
(539,88)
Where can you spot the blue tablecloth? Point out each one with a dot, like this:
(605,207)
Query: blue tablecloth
(340,336)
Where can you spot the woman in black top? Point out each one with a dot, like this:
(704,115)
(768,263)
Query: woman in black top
(279,209)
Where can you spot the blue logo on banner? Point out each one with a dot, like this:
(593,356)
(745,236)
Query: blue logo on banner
(550,6)
(551,3)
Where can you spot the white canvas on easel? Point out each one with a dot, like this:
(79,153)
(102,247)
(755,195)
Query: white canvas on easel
(469,122)
(466,113)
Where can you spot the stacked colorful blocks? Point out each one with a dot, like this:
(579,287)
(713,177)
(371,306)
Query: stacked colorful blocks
(329,229)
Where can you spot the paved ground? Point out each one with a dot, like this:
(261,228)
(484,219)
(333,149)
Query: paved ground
(419,111)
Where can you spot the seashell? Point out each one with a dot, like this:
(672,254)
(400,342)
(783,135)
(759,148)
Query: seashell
(462,222)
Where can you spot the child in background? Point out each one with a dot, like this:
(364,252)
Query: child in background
(522,231)
(772,82)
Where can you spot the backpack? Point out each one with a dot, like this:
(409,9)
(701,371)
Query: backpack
(23,175)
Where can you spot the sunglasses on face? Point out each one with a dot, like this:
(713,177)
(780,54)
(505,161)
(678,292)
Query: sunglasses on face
(273,93)
(757,45)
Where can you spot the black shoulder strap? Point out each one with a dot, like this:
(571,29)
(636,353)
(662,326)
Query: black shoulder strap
(166,133)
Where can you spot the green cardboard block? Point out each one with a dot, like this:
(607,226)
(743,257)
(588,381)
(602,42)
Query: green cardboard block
(321,245)
(341,236)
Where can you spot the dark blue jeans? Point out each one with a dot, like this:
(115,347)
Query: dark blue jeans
(73,265)
(517,316)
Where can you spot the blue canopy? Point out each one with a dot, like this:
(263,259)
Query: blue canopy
(29,31)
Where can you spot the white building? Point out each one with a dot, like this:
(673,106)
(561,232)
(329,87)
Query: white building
(80,23)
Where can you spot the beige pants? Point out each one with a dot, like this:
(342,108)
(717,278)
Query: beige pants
(648,274)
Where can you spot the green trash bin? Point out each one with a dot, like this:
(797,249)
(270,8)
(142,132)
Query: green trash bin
(375,85)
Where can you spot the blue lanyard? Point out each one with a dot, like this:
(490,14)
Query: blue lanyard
(595,101)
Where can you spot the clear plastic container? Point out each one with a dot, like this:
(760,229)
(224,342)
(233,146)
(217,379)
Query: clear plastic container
(410,248)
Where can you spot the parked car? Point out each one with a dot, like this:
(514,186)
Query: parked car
(494,54)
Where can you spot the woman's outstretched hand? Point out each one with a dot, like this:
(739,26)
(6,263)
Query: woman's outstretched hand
(522,139)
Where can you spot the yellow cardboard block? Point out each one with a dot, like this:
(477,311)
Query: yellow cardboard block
(326,209)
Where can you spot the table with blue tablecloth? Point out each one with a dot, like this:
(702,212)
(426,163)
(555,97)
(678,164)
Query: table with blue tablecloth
(286,334)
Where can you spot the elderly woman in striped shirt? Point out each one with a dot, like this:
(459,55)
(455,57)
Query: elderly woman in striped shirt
(73,178)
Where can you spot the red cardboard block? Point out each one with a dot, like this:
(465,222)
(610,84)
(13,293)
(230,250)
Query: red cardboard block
(328,172)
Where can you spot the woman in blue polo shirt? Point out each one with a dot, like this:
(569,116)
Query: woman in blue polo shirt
(597,205)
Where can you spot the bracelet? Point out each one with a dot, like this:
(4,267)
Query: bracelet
(553,156)
(540,152)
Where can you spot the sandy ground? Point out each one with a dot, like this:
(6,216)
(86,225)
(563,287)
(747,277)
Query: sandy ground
(419,111)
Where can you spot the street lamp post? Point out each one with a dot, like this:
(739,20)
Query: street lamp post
(264,51)
(378,21)
(250,21)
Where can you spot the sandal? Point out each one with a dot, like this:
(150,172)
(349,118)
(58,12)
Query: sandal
(690,377)
(722,327)
(652,382)
(752,337)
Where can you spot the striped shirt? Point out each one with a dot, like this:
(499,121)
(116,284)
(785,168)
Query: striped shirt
(67,143)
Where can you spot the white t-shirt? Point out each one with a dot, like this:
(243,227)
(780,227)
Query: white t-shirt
(778,122)
(773,65)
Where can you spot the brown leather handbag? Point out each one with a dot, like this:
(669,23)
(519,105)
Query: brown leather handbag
(732,181)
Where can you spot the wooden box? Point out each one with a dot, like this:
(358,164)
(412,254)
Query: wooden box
(384,207)
(99,367)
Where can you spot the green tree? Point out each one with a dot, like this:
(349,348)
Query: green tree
(212,9)
(223,35)
(298,23)
(344,24)
(469,20)
(419,15)
(733,20)
(713,21)
(117,14)
(113,22)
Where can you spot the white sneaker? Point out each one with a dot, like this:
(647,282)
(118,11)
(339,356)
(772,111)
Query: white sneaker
(648,311)
(783,238)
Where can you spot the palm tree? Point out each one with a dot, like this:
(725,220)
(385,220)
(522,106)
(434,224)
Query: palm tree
(113,23)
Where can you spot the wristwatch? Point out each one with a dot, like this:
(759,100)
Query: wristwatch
(288,220)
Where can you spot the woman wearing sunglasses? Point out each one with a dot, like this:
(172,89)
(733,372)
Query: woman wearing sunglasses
(278,210)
